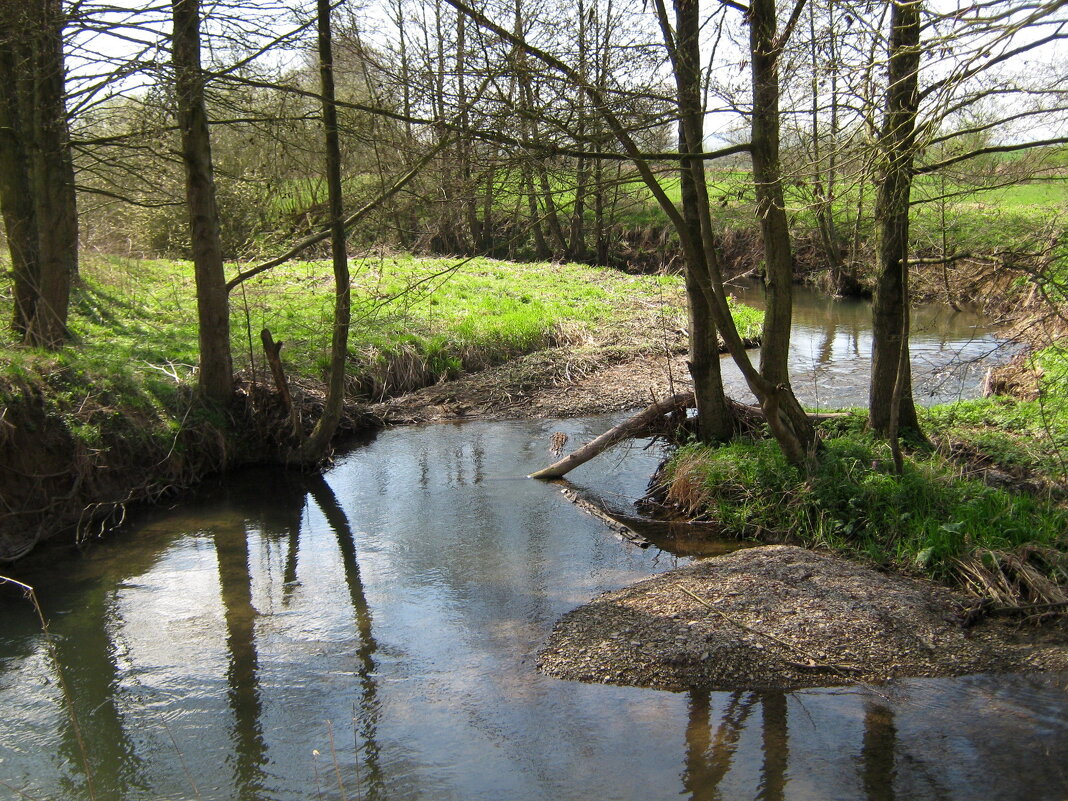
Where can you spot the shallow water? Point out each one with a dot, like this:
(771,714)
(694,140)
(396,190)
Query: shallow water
(398,603)
(372,634)
(830,350)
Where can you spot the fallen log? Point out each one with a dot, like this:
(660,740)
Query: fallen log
(641,424)
(598,511)
(631,427)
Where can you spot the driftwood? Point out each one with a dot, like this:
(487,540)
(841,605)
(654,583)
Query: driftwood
(271,349)
(642,424)
(632,427)
(598,511)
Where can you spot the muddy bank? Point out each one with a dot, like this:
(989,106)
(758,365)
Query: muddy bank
(559,382)
(54,480)
(78,474)
(781,617)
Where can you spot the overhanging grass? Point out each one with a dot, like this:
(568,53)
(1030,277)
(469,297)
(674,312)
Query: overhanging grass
(925,519)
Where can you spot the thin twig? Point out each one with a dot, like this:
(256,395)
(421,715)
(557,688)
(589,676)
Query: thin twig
(842,670)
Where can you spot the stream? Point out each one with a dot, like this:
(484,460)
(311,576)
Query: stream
(371,634)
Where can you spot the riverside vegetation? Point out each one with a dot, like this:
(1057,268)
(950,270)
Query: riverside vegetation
(112,418)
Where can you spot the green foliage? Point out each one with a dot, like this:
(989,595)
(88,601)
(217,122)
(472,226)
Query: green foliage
(134,322)
(1029,435)
(854,502)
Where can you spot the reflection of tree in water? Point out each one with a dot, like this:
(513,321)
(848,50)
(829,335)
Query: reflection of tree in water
(84,646)
(776,747)
(878,752)
(368,711)
(711,746)
(708,757)
(235,586)
(275,501)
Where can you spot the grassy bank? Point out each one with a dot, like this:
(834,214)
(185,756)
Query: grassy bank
(113,418)
(983,507)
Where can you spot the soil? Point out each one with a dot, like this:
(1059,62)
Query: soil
(782,617)
(560,382)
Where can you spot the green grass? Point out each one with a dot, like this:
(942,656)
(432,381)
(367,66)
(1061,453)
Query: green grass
(922,520)
(1018,435)
(135,333)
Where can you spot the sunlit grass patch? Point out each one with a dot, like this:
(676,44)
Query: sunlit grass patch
(925,520)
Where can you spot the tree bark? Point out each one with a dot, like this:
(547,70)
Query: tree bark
(892,408)
(52,180)
(213,312)
(771,206)
(319,440)
(786,418)
(715,422)
(20,220)
(36,169)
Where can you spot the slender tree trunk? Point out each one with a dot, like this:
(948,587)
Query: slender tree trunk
(20,220)
(891,369)
(780,404)
(714,418)
(771,207)
(468,183)
(576,236)
(319,441)
(213,312)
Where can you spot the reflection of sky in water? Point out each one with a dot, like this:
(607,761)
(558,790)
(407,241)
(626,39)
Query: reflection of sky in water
(830,351)
(402,599)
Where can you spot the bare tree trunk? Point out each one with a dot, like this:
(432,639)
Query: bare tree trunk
(37,181)
(714,419)
(576,237)
(319,440)
(52,180)
(780,404)
(216,379)
(891,369)
(20,220)
(771,207)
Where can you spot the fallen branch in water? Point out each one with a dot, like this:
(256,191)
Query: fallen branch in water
(632,427)
(601,513)
(643,424)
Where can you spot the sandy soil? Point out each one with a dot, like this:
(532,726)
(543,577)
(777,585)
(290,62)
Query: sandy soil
(784,617)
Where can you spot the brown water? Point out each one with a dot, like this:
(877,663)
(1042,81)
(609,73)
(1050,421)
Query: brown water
(397,604)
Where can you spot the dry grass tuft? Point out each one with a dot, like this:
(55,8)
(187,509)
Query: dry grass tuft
(1028,576)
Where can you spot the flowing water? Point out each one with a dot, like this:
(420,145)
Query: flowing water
(372,633)
(830,351)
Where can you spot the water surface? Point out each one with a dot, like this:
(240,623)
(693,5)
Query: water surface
(831,341)
(396,605)
(372,634)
